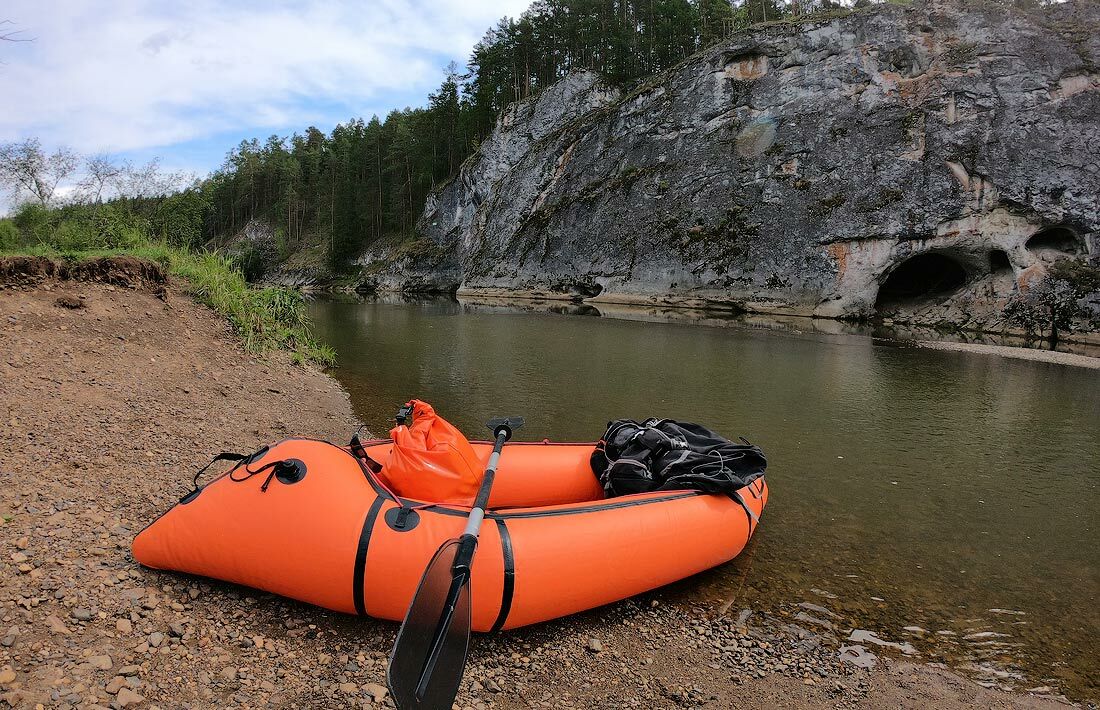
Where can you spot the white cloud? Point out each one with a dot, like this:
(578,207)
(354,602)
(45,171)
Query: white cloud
(137,74)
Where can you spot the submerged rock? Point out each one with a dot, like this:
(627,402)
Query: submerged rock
(858,656)
(864,636)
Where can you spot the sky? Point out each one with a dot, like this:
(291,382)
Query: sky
(187,80)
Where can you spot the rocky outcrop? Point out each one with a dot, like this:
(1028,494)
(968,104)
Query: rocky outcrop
(435,260)
(917,161)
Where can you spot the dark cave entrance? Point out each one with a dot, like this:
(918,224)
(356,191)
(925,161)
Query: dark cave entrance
(998,262)
(922,279)
(1060,239)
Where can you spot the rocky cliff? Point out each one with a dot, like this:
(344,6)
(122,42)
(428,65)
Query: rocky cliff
(916,161)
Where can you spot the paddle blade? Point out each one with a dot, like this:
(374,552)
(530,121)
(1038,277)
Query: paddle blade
(430,652)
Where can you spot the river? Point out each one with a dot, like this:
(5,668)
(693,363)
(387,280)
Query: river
(955,494)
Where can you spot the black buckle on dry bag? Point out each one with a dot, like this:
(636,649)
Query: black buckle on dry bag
(404,415)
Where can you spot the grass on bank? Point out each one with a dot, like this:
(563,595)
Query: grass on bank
(264,318)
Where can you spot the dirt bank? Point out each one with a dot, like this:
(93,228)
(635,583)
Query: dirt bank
(112,397)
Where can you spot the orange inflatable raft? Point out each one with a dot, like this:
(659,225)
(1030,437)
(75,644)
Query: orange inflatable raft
(310,520)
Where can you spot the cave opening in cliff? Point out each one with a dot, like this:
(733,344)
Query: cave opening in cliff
(1060,239)
(998,261)
(925,278)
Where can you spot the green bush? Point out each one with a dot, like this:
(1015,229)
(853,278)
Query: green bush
(282,244)
(9,235)
(250,260)
(265,318)
(81,227)
(74,235)
(178,219)
(114,227)
(34,223)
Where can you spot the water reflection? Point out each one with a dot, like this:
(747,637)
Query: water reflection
(892,334)
(918,494)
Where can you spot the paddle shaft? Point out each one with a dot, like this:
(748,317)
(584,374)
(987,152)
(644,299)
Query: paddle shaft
(426,665)
(468,540)
(467,545)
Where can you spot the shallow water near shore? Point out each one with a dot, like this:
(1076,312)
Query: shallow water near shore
(941,499)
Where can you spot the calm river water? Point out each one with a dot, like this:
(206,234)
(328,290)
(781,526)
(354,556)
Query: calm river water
(953,492)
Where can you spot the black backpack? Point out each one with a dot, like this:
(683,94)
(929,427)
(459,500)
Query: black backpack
(663,455)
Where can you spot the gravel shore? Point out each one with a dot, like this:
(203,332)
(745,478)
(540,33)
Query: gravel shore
(113,396)
(1052,356)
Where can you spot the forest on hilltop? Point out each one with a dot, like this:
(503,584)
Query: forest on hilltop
(369,178)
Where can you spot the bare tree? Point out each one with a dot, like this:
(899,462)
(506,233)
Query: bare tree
(100,173)
(9,35)
(26,169)
(134,181)
(148,180)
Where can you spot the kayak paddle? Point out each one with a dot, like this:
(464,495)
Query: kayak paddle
(429,654)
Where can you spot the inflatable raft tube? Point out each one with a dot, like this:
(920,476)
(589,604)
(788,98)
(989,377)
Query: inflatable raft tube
(323,529)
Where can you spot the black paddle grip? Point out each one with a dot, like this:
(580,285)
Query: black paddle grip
(506,424)
(467,544)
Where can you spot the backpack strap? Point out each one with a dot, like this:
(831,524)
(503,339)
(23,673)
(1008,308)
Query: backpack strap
(753,517)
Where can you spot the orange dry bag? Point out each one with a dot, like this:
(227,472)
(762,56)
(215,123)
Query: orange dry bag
(431,460)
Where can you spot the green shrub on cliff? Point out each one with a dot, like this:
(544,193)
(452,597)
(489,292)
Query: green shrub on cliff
(1055,301)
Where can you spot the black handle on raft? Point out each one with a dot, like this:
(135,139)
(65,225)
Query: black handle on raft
(223,456)
(360,452)
(239,459)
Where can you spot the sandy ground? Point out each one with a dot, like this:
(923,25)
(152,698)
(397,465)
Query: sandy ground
(108,409)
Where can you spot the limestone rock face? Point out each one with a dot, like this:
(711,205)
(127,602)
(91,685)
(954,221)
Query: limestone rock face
(923,161)
(434,261)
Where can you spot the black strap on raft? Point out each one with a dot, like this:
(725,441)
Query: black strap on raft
(223,456)
(360,452)
(281,468)
(240,459)
(288,471)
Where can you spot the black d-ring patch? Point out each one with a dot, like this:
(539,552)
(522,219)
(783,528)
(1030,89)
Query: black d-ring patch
(402,519)
(191,496)
(290,471)
(257,455)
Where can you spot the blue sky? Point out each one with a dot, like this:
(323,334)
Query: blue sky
(187,80)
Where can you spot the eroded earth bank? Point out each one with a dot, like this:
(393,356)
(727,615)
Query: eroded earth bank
(113,395)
